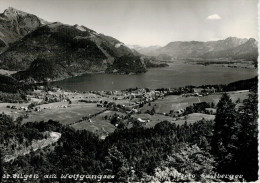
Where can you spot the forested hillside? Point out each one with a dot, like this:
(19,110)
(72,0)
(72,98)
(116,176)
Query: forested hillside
(37,46)
(165,152)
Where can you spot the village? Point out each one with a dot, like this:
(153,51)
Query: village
(103,111)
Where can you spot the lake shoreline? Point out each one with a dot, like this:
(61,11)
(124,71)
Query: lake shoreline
(176,75)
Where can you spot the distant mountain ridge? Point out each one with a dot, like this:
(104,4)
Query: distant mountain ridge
(247,50)
(65,50)
(144,50)
(231,47)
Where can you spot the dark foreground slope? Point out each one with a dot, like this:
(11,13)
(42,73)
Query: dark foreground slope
(165,152)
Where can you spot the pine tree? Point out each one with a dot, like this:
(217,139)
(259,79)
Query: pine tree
(1,166)
(117,165)
(247,154)
(224,141)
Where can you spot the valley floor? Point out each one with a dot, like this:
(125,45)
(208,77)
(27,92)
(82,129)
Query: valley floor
(94,111)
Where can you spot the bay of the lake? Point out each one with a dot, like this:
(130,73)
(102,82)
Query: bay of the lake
(176,75)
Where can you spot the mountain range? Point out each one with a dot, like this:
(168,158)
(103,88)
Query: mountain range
(14,25)
(231,47)
(45,51)
(31,45)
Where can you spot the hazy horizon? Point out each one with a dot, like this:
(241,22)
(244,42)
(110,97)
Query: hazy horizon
(151,22)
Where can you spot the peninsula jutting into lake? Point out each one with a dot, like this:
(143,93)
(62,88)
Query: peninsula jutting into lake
(168,92)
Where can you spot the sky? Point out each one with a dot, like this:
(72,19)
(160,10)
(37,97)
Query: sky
(150,22)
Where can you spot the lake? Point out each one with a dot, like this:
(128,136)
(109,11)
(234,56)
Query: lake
(176,75)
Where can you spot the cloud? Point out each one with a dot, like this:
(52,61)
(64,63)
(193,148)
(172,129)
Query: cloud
(214,17)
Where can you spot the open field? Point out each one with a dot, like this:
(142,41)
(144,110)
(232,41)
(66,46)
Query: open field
(101,116)
(13,112)
(238,63)
(98,123)
(91,97)
(156,118)
(57,111)
(192,118)
(69,112)
(98,127)
(177,102)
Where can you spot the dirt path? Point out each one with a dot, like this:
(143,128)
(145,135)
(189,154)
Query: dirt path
(39,144)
